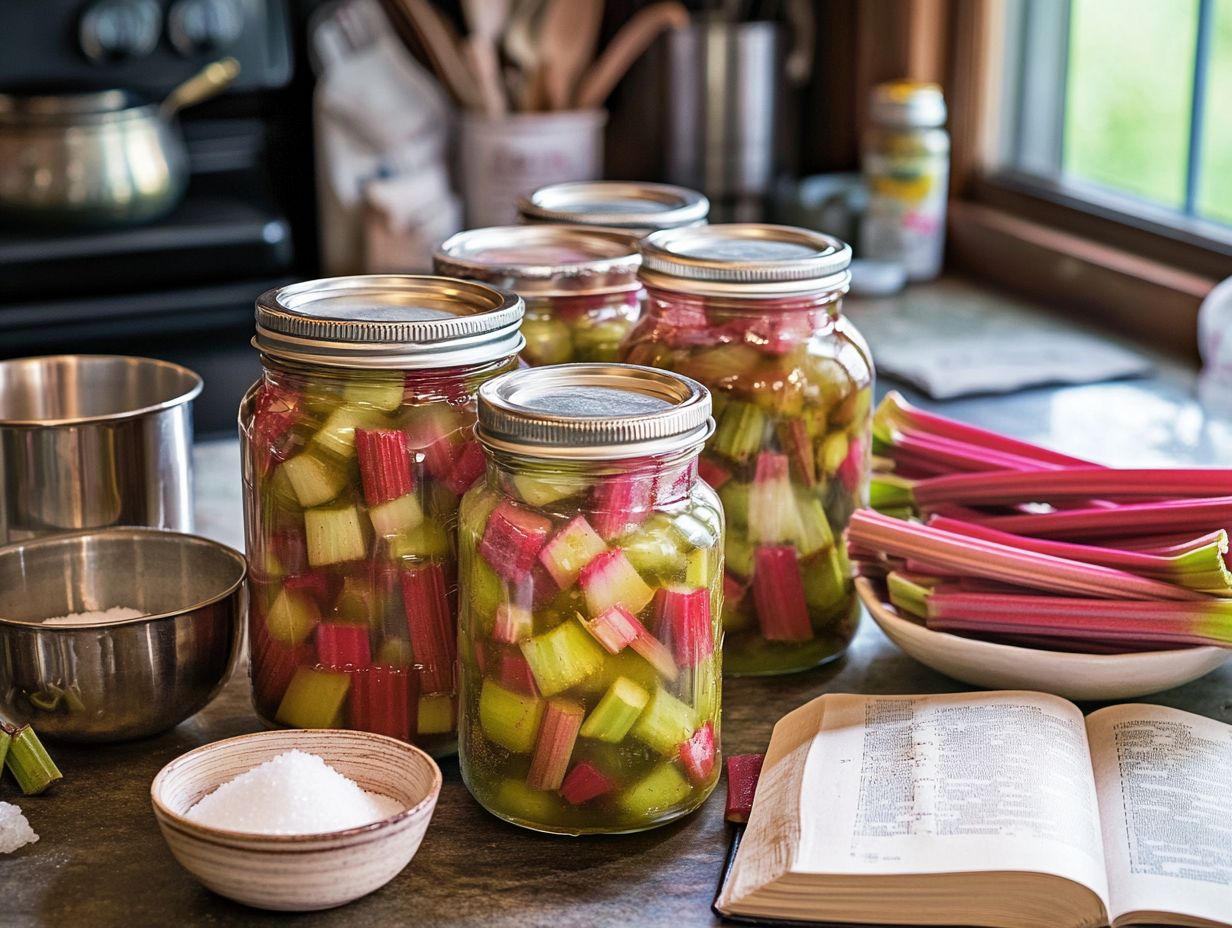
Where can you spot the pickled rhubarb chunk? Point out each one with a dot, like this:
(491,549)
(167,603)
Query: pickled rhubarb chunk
(292,616)
(384,464)
(509,719)
(621,501)
(514,673)
(682,617)
(341,646)
(665,723)
(383,700)
(663,788)
(436,714)
(610,579)
(313,480)
(399,516)
(467,467)
(570,550)
(562,657)
(558,732)
(697,754)
(778,592)
(314,699)
(513,539)
(512,623)
(616,712)
(584,783)
(335,536)
(616,628)
(429,619)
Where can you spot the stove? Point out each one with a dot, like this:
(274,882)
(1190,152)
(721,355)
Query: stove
(181,287)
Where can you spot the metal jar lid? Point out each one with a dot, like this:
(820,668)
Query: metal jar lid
(639,208)
(389,321)
(544,260)
(593,412)
(745,260)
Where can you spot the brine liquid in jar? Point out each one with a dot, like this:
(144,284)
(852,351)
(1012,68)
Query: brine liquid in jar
(357,446)
(591,558)
(754,312)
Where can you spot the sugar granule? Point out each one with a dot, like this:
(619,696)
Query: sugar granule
(15,831)
(295,793)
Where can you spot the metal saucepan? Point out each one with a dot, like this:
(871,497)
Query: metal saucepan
(101,158)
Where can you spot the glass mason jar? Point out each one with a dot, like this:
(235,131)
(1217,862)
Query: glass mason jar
(579,284)
(357,446)
(631,206)
(591,558)
(753,312)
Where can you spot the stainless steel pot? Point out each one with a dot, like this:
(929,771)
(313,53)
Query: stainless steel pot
(100,158)
(88,441)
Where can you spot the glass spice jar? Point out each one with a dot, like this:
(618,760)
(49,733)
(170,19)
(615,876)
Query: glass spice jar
(579,284)
(357,446)
(631,206)
(754,312)
(591,558)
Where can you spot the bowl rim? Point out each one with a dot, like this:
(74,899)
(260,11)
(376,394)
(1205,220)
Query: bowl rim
(196,829)
(195,381)
(47,541)
(867,591)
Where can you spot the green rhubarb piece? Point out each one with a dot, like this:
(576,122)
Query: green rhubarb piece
(569,550)
(436,714)
(719,363)
(906,595)
(314,699)
(509,719)
(518,801)
(292,617)
(833,452)
(398,516)
(700,528)
(547,340)
(425,541)
(699,570)
(814,532)
(5,740)
(739,554)
(662,789)
(665,723)
(616,712)
(337,433)
(45,701)
(706,690)
(28,761)
(386,395)
(735,498)
(628,663)
(653,547)
(487,592)
(741,431)
(829,378)
(825,580)
(563,657)
(280,493)
(891,492)
(334,536)
(539,491)
(313,480)
(395,652)
(599,341)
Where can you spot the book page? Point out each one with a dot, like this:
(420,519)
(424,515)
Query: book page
(954,783)
(1165,789)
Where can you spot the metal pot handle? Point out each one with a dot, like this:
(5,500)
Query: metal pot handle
(210,80)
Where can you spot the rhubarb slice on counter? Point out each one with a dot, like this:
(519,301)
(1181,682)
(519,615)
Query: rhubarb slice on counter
(313,480)
(574,546)
(610,579)
(665,723)
(383,700)
(429,619)
(562,657)
(584,783)
(660,790)
(509,719)
(615,713)
(341,646)
(743,772)
(384,464)
(558,732)
(682,617)
(512,540)
(28,761)
(778,592)
(698,753)
(334,536)
(314,699)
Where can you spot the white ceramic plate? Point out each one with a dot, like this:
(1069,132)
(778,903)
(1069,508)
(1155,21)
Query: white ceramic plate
(1008,667)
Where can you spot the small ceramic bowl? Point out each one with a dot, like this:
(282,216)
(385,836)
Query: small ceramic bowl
(298,873)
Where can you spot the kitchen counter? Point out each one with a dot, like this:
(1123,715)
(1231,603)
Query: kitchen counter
(101,861)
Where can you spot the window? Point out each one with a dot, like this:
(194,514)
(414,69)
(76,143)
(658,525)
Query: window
(1122,108)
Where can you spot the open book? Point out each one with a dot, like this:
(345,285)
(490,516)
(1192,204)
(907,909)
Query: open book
(1004,809)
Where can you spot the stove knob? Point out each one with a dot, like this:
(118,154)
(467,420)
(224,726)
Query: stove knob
(117,30)
(203,27)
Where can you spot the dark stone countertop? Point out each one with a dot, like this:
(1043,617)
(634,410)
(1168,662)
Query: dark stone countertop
(101,862)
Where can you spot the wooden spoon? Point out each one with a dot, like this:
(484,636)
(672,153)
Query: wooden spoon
(626,47)
(486,19)
(441,46)
(567,37)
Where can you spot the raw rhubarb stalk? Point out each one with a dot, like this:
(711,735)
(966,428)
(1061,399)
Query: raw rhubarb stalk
(383,700)
(610,579)
(743,771)
(509,719)
(341,646)
(429,620)
(697,755)
(384,464)
(28,761)
(778,592)
(558,732)
(1072,483)
(773,518)
(682,617)
(1196,516)
(621,501)
(512,623)
(979,558)
(1138,621)
(570,550)
(584,783)
(562,657)
(937,456)
(512,540)
(616,711)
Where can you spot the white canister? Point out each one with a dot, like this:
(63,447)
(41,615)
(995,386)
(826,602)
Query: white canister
(507,157)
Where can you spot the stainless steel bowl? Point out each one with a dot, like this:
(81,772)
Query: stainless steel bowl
(88,441)
(110,682)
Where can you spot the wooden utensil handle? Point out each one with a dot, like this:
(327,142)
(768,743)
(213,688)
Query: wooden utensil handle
(625,48)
